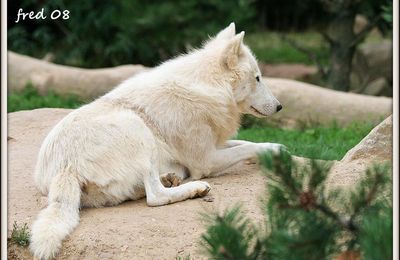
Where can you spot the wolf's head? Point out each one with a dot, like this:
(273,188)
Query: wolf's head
(239,65)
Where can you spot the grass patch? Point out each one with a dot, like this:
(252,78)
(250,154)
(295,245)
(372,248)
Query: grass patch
(29,98)
(327,143)
(20,235)
(269,47)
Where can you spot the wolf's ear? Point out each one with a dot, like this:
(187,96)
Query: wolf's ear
(227,33)
(232,51)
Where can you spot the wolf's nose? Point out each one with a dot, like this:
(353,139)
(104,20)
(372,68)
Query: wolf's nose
(278,108)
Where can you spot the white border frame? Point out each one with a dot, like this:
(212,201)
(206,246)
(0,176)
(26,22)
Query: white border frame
(395,129)
(4,171)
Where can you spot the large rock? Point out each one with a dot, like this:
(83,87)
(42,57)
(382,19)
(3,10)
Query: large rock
(308,104)
(375,148)
(377,87)
(373,61)
(43,75)
(131,230)
(360,23)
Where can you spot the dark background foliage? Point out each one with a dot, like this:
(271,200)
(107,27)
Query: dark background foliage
(109,33)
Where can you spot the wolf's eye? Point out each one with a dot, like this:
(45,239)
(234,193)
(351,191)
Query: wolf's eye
(258,78)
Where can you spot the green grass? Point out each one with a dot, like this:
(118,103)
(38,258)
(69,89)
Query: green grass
(20,235)
(29,98)
(269,47)
(327,143)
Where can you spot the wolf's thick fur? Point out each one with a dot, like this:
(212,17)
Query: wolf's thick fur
(175,118)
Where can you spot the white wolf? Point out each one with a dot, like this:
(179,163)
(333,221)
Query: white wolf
(176,118)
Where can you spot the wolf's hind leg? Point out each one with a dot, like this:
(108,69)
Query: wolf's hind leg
(170,180)
(158,195)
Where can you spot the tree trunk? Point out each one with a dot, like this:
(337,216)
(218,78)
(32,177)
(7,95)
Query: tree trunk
(341,35)
(45,76)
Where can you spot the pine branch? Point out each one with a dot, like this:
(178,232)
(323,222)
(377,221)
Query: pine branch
(304,243)
(300,224)
(230,235)
(346,224)
(319,173)
(307,203)
(378,180)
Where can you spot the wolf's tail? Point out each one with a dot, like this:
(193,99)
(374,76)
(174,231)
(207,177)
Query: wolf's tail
(60,217)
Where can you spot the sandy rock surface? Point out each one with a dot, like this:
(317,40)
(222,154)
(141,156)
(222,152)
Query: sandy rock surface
(133,230)
(376,147)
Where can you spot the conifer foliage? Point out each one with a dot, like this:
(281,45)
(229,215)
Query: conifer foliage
(305,220)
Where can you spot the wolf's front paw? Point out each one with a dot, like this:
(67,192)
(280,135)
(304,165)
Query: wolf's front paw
(278,148)
(202,189)
(273,147)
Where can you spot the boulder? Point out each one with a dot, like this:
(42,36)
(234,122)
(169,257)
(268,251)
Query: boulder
(373,61)
(377,87)
(378,57)
(375,148)
(360,23)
